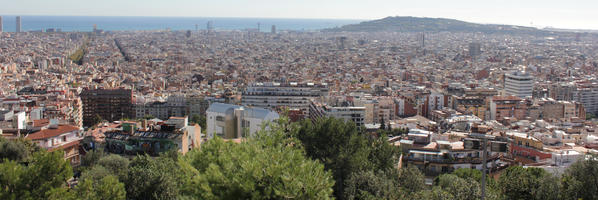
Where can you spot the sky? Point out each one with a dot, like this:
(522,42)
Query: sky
(574,14)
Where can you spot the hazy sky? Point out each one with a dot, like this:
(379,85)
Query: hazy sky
(538,13)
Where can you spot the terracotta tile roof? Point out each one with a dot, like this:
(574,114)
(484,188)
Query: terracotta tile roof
(52,132)
(41,122)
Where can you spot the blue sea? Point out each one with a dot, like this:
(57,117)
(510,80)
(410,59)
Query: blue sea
(85,23)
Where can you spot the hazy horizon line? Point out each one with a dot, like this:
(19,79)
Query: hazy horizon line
(299,18)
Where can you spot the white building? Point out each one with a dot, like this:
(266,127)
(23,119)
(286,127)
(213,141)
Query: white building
(348,113)
(59,136)
(276,95)
(233,121)
(519,84)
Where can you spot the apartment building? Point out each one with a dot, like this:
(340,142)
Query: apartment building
(282,95)
(346,112)
(232,121)
(109,104)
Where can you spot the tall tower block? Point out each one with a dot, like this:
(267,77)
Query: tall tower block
(18,24)
(1,25)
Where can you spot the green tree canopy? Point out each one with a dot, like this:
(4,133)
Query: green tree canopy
(580,180)
(521,183)
(269,166)
(344,149)
(46,171)
(153,178)
(460,188)
(411,179)
(370,185)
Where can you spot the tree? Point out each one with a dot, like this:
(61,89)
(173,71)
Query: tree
(475,175)
(370,185)
(17,150)
(117,165)
(199,119)
(580,180)
(152,178)
(108,188)
(411,179)
(91,157)
(46,172)
(549,188)
(268,166)
(344,149)
(460,188)
(11,180)
(436,193)
(520,183)
(590,116)
(96,120)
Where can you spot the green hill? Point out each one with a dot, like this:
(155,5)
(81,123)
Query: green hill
(417,24)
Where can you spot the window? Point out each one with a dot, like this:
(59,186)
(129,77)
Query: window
(220,118)
(64,138)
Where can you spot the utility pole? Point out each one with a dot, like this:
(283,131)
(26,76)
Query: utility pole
(484,162)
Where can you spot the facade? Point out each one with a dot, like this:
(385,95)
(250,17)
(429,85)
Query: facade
(276,95)
(519,84)
(109,104)
(60,137)
(584,92)
(174,106)
(232,121)
(18,24)
(587,94)
(507,107)
(405,108)
(1,25)
(173,134)
(348,113)
(475,49)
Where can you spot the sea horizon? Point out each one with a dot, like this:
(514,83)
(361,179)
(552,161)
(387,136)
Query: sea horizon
(148,23)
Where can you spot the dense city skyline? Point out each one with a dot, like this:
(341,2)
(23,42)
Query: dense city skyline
(573,15)
(244,108)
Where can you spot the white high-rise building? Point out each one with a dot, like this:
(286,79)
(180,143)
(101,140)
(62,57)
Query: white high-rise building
(1,25)
(519,84)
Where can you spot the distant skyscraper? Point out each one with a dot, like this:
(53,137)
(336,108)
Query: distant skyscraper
(258,26)
(18,24)
(475,49)
(423,41)
(210,26)
(1,29)
(342,42)
(273,29)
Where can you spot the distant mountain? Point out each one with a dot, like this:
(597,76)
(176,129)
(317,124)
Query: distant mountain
(418,24)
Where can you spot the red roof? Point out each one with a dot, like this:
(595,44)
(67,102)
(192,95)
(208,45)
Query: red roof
(41,122)
(52,132)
